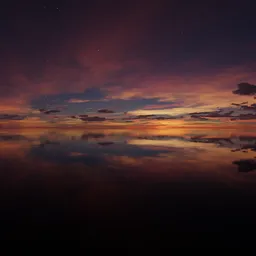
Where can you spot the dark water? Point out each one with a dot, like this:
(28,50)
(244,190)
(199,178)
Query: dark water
(129,188)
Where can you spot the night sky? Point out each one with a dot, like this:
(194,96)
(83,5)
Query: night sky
(127,62)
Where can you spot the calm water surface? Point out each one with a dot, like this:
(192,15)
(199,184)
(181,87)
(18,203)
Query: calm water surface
(178,188)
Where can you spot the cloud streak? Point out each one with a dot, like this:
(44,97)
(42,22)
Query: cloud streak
(93,119)
(106,111)
(11,117)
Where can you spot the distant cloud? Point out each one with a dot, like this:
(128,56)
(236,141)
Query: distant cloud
(239,104)
(238,112)
(245,89)
(151,117)
(144,116)
(77,101)
(216,113)
(51,111)
(11,117)
(93,119)
(244,117)
(252,107)
(167,117)
(47,112)
(106,111)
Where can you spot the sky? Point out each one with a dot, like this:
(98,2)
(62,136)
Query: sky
(79,63)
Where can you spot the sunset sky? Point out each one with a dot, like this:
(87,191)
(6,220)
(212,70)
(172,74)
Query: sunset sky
(127,62)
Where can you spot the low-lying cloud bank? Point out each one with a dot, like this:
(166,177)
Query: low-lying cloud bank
(245,110)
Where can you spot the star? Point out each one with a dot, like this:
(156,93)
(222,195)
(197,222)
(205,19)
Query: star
(98,50)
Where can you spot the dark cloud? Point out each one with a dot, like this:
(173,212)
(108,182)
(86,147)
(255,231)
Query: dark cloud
(47,112)
(244,105)
(151,117)
(144,116)
(240,104)
(217,113)
(246,165)
(252,107)
(51,111)
(245,89)
(167,118)
(246,148)
(93,119)
(234,113)
(11,117)
(199,113)
(106,111)
(83,116)
(236,104)
(158,117)
(244,117)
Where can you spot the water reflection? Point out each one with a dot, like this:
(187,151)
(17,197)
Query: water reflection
(246,165)
(104,179)
(167,156)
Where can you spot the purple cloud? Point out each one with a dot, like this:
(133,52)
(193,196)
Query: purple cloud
(106,111)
